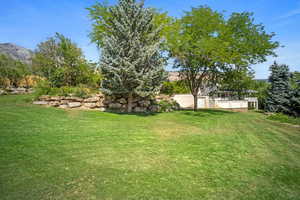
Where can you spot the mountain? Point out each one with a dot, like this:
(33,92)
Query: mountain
(16,52)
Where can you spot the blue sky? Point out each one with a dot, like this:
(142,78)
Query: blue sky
(28,22)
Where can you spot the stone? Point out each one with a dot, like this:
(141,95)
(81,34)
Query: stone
(123,101)
(140,109)
(74,99)
(145,103)
(54,103)
(115,105)
(40,102)
(91,99)
(74,104)
(63,106)
(2,92)
(64,101)
(44,98)
(100,104)
(90,105)
(21,90)
(55,98)
(154,108)
(102,109)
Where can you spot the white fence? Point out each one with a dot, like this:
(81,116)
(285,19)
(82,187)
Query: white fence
(187,101)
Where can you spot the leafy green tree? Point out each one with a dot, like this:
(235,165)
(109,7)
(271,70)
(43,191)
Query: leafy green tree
(205,45)
(279,93)
(239,81)
(131,60)
(60,61)
(261,87)
(12,70)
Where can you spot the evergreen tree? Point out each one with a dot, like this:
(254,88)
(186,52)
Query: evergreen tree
(279,93)
(295,100)
(131,60)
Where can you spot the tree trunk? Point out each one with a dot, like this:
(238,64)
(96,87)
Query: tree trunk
(195,102)
(129,105)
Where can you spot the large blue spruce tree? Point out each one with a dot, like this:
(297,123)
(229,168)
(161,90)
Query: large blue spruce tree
(279,93)
(131,61)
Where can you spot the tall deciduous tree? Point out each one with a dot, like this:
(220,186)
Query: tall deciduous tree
(205,45)
(131,61)
(62,62)
(279,93)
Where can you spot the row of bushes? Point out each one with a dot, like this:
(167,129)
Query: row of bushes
(44,88)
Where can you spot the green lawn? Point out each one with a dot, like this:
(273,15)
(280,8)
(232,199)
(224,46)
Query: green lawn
(48,153)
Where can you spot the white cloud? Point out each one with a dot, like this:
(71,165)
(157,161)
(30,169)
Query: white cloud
(290,14)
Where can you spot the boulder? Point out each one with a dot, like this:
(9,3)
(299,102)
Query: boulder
(145,103)
(102,109)
(2,92)
(154,108)
(55,98)
(40,102)
(115,105)
(91,99)
(100,104)
(44,98)
(90,105)
(64,101)
(54,103)
(63,106)
(140,109)
(21,90)
(123,101)
(74,104)
(74,99)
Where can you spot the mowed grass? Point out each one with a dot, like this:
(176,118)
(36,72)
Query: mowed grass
(48,153)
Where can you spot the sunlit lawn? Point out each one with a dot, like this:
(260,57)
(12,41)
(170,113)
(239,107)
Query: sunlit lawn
(48,153)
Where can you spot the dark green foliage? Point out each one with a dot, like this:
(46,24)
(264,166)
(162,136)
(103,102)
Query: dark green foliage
(295,100)
(12,71)
(284,118)
(279,92)
(174,87)
(60,61)
(131,58)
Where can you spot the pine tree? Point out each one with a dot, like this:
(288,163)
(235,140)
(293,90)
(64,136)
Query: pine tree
(131,60)
(279,93)
(295,100)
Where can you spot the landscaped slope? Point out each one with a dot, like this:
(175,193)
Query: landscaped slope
(48,153)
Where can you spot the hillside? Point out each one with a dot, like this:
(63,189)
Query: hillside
(16,52)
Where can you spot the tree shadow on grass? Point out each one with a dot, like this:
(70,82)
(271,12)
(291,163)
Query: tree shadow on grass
(207,112)
(145,114)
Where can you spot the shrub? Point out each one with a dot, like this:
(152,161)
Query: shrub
(168,105)
(284,118)
(4,82)
(43,87)
(175,87)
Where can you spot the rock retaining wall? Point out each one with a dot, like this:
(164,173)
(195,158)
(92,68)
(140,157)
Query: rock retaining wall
(102,103)
(12,90)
